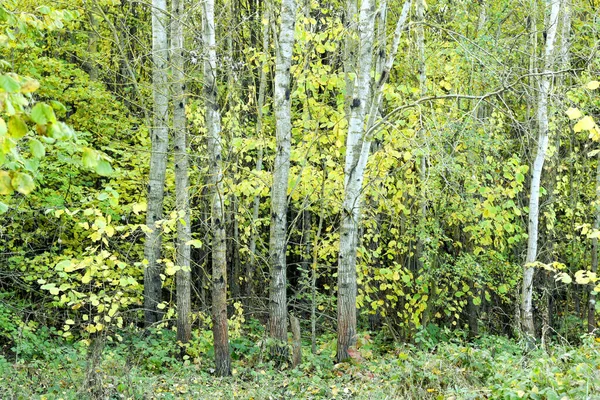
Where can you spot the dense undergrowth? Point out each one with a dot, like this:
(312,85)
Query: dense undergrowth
(149,366)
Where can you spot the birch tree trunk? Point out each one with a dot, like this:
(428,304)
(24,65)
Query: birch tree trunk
(159,134)
(182,199)
(353,180)
(358,144)
(283,126)
(219,244)
(528,327)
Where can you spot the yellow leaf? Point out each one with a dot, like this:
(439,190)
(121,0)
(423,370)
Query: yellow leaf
(70,322)
(86,278)
(585,124)
(30,86)
(139,207)
(593,85)
(573,113)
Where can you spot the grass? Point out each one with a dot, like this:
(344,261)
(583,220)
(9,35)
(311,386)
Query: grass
(148,368)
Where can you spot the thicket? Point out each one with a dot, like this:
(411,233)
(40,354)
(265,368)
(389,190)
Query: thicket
(440,258)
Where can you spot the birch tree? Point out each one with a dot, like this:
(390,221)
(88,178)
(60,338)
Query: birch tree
(536,174)
(182,200)
(159,134)
(219,244)
(283,126)
(358,144)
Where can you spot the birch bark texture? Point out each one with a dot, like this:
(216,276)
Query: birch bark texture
(527,322)
(182,199)
(159,134)
(219,244)
(283,131)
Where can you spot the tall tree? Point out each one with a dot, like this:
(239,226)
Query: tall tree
(283,127)
(159,134)
(358,144)
(219,243)
(353,179)
(182,199)
(536,171)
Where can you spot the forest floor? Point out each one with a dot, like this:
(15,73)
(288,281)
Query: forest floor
(148,367)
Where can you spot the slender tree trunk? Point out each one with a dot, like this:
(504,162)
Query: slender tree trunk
(297,341)
(315,265)
(159,135)
(358,144)
(420,14)
(219,242)
(92,48)
(262,86)
(536,174)
(592,299)
(235,252)
(182,198)
(278,237)
(350,51)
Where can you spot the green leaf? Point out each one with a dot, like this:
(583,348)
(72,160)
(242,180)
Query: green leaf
(477,301)
(5,186)
(3,208)
(89,158)
(104,168)
(23,183)
(16,127)
(37,148)
(194,243)
(519,177)
(3,127)
(42,114)
(58,106)
(9,84)
(44,10)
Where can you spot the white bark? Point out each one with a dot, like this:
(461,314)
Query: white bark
(358,144)
(283,126)
(182,199)
(536,172)
(159,135)
(353,180)
(219,244)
